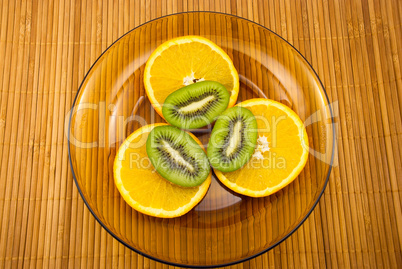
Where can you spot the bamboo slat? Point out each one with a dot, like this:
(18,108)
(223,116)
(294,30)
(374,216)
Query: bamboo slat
(47,47)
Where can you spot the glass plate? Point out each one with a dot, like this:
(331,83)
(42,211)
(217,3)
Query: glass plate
(224,228)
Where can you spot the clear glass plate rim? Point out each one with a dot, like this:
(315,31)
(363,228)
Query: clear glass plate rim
(223,264)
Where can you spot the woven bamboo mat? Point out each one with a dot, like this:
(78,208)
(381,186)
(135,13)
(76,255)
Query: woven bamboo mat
(46,47)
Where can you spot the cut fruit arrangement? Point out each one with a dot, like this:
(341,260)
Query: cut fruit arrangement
(256,147)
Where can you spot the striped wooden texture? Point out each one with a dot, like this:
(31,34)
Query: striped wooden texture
(46,47)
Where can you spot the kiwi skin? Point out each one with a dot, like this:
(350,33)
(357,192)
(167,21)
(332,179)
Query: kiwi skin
(167,166)
(220,138)
(177,108)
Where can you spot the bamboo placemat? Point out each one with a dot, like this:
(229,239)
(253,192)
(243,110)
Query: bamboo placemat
(46,47)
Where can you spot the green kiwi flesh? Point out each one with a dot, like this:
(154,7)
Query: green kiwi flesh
(196,105)
(233,139)
(177,157)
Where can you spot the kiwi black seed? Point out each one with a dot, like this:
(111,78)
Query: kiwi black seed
(196,105)
(177,157)
(233,139)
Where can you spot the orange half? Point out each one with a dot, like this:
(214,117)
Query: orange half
(143,188)
(280,154)
(183,61)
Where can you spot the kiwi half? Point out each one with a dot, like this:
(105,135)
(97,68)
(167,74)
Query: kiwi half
(233,139)
(177,157)
(196,105)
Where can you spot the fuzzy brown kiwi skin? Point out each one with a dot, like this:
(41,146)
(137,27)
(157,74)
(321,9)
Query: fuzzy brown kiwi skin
(220,136)
(189,149)
(187,95)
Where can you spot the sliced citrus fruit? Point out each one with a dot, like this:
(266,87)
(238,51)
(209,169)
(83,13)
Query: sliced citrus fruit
(143,188)
(279,156)
(185,60)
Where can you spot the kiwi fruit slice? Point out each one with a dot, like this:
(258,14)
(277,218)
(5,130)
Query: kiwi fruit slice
(196,105)
(177,157)
(233,139)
